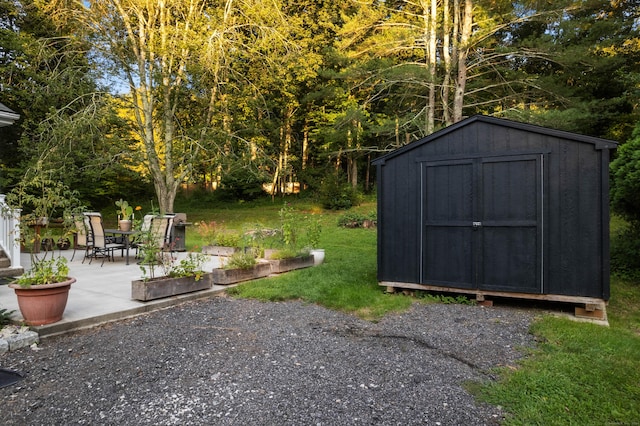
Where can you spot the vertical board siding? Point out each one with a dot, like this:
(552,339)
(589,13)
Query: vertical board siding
(542,194)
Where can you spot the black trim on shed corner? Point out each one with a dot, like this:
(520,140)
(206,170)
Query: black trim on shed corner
(598,143)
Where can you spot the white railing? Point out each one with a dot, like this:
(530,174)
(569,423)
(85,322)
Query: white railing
(10,232)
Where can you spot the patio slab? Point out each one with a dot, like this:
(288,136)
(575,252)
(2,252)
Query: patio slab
(101,293)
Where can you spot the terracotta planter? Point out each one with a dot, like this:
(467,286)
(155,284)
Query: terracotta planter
(284,265)
(43,304)
(158,288)
(124,225)
(231,276)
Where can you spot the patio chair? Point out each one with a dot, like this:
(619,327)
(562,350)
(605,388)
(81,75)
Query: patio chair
(82,235)
(161,230)
(100,244)
(158,234)
(145,227)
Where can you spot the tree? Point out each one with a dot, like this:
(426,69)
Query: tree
(44,68)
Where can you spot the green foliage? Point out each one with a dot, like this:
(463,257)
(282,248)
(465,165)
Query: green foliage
(241,260)
(125,211)
(625,179)
(228,239)
(5,317)
(314,230)
(216,234)
(625,250)
(353,219)
(330,284)
(241,183)
(580,374)
(150,254)
(45,271)
(336,195)
(289,226)
(190,266)
(444,299)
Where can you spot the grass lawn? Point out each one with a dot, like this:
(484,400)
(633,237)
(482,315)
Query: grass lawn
(580,373)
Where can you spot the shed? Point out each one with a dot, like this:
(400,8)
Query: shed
(489,206)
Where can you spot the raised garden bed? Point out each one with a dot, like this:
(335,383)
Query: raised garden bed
(158,288)
(231,276)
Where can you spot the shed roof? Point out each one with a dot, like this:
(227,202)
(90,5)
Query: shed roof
(7,116)
(598,143)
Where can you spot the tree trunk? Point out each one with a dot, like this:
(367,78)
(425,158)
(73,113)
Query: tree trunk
(463,52)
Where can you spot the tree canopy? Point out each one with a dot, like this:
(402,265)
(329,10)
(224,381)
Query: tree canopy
(238,96)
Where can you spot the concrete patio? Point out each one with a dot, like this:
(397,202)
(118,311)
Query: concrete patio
(101,293)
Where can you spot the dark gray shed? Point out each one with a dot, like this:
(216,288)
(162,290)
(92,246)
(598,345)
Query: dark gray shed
(494,207)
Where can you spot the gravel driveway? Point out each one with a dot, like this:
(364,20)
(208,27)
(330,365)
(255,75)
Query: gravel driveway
(227,361)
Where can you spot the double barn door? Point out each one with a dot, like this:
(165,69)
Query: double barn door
(483,223)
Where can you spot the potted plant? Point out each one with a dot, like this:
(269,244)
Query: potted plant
(314,230)
(43,291)
(125,215)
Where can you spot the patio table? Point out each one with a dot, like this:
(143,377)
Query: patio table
(125,240)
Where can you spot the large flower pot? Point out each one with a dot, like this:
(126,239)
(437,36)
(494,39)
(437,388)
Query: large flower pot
(160,287)
(43,304)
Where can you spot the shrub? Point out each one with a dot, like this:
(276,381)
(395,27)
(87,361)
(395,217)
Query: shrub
(356,220)
(625,251)
(335,195)
(625,181)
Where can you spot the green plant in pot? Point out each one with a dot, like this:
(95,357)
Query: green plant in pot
(125,214)
(43,290)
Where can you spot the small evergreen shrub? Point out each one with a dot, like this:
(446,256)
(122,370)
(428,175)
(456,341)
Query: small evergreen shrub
(335,195)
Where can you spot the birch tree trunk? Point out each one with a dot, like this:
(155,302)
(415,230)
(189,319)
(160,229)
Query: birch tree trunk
(462,55)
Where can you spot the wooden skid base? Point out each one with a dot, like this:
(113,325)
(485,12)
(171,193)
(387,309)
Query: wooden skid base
(592,308)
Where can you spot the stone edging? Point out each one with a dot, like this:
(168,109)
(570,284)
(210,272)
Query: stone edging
(15,337)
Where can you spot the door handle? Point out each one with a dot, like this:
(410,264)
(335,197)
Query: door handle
(476,225)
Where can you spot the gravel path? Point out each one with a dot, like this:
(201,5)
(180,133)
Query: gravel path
(226,361)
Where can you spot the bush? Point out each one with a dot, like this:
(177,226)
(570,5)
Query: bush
(335,195)
(356,220)
(625,181)
(625,252)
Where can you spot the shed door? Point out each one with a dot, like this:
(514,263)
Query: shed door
(483,223)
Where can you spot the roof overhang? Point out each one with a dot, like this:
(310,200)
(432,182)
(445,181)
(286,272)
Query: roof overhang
(7,116)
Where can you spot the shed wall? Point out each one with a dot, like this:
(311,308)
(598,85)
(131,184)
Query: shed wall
(575,200)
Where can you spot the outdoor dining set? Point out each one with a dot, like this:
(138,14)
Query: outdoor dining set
(100,242)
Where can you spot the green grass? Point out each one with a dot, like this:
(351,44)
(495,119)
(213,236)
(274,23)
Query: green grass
(579,373)
(346,281)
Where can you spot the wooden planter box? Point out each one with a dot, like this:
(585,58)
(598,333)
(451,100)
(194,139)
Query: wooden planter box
(231,276)
(219,250)
(283,265)
(157,288)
